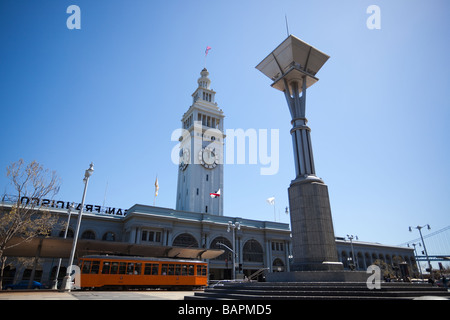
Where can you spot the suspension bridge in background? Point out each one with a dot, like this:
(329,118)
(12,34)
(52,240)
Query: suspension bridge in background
(437,245)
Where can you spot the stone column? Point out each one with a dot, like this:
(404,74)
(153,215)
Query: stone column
(313,242)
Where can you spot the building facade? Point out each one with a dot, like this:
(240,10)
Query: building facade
(259,244)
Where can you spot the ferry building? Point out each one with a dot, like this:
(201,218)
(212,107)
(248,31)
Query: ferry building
(196,228)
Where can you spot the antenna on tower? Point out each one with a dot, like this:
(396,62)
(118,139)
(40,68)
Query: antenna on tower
(106,191)
(287,26)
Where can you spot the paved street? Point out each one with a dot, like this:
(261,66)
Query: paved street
(95,295)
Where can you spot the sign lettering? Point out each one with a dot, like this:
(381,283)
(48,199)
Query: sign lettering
(66,205)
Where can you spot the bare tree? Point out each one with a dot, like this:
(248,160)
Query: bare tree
(25,219)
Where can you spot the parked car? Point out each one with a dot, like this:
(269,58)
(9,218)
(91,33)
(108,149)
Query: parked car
(23,285)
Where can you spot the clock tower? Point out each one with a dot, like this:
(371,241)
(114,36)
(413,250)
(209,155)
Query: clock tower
(200,172)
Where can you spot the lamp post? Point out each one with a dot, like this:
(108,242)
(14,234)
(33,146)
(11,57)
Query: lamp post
(355,261)
(55,282)
(416,255)
(224,245)
(66,282)
(424,247)
(233,226)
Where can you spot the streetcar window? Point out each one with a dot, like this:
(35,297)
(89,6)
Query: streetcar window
(201,270)
(164,269)
(171,271)
(184,270)
(86,266)
(122,267)
(114,267)
(137,268)
(148,268)
(177,269)
(106,266)
(191,270)
(155,268)
(130,268)
(95,267)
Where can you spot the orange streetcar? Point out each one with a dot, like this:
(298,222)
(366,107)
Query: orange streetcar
(138,272)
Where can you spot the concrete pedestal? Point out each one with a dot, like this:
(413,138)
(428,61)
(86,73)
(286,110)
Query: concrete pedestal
(313,242)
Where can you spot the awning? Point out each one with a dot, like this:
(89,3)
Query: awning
(60,248)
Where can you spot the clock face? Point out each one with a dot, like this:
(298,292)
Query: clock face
(184,158)
(208,158)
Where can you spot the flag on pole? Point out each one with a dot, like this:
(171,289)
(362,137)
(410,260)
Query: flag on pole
(271,201)
(215,194)
(156,187)
(207,50)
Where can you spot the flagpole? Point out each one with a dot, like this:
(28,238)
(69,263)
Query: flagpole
(274,210)
(156,191)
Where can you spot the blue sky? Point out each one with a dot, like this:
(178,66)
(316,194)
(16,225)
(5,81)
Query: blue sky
(115,90)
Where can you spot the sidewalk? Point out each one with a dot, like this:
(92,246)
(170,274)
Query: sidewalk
(94,295)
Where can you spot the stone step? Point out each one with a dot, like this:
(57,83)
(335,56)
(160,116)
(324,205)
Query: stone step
(217,296)
(325,288)
(321,291)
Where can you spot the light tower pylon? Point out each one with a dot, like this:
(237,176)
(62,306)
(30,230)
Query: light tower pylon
(292,67)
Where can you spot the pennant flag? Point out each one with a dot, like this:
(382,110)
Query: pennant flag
(156,187)
(271,200)
(215,194)
(207,50)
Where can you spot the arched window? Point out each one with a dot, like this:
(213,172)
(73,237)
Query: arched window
(185,240)
(368,259)
(253,251)
(227,254)
(360,259)
(109,236)
(88,234)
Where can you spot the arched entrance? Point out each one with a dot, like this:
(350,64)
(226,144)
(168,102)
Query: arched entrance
(278,265)
(221,267)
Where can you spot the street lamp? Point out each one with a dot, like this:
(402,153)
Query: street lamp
(416,255)
(233,226)
(55,282)
(355,261)
(66,285)
(424,247)
(224,245)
